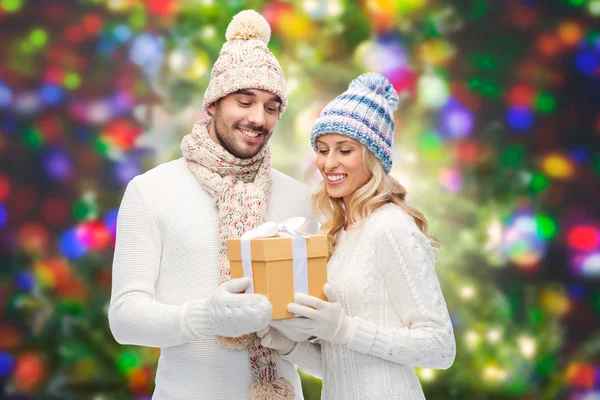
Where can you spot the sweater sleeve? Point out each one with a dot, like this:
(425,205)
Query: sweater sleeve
(406,260)
(307,356)
(134,316)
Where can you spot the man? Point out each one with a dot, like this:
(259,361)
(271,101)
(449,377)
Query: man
(171,286)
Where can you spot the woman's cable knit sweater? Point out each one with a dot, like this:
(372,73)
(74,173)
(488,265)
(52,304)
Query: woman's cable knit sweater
(385,278)
(166,264)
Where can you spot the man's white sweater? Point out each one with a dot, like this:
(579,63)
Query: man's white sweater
(166,260)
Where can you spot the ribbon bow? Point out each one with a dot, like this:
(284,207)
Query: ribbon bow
(291,227)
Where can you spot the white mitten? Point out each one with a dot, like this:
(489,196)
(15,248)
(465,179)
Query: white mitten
(326,319)
(273,339)
(286,327)
(229,312)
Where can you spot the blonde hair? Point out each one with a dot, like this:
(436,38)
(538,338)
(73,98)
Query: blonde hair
(380,189)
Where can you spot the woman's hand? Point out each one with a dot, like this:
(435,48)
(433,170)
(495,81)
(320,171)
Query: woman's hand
(273,339)
(326,319)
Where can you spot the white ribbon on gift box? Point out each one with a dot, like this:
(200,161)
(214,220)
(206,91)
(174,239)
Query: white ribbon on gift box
(292,227)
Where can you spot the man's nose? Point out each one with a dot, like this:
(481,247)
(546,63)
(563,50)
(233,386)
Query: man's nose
(257,115)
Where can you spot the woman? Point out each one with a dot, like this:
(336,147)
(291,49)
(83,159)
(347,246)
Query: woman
(386,313)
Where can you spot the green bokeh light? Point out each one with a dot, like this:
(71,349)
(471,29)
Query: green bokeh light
(483,61)
(33,138)
(513,156)
(545,103)
(11,5)
(546,226)
(85,210)
(536,316)
(72,80)
(538,182)
(38,37)
(431,145)
(484,87)
(127,361)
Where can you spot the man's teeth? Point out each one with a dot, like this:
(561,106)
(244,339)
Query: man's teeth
(336,177)
(250,133)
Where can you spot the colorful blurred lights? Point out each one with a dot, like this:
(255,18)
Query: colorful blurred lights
(381,56)
(427,374)
(591,266)
(7,364)
(451,179)
(110,221)
(122,33)
(493,373)
(494,335)
(5,95)
(522,242)
(527,346)
(472,339)
(145,49)
(25,280)
(3,216)
(588,62)
(594,7)
(519,118)
(456,121)
(557,166)
(581,375)
(94,235)
(584,238)
(58,164)
(547,227)
(467,292)
(4,187)
(11,5)
(432,91)
(71,245)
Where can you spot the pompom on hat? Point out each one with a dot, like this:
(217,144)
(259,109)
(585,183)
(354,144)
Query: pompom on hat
(364,112)
(245,62)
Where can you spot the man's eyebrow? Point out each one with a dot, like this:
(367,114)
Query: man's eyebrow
(248,92)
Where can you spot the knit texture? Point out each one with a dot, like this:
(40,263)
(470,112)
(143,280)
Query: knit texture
(227,315)
(363,112)
(166,261)
(245,62)
(384,275)
(241,189)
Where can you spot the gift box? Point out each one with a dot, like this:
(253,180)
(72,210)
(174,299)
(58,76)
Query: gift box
(280,266)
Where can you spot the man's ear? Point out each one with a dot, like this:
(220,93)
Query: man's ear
(210,110)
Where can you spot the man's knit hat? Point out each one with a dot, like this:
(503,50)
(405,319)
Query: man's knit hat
(245,62)
(363,112)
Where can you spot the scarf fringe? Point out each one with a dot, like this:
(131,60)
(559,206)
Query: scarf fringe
(279,389)
(236,343)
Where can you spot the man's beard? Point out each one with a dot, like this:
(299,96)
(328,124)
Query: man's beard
(229,145)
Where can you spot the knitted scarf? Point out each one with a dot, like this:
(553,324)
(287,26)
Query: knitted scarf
(241,189)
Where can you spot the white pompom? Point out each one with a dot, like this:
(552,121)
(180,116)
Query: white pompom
(379,84)
(248,24)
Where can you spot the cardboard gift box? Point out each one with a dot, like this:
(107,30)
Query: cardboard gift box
(273,266)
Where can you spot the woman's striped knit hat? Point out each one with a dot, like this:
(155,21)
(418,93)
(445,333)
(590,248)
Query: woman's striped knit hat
(363,112)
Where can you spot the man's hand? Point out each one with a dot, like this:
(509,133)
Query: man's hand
(234,313)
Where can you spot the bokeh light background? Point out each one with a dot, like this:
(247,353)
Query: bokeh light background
(497,143)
